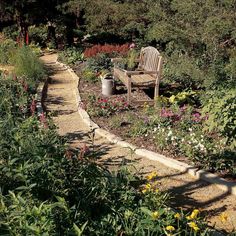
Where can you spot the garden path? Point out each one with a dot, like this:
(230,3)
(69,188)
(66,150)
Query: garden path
(186,191)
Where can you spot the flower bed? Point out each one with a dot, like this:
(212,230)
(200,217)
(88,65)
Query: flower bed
(174,129)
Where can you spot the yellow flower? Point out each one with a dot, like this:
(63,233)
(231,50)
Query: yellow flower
(193,226)
(223,217)
(144,191)
(152,175)
(155,215)
(170,228)
(172,99)
(193,215)
(177,216)
(147,186)
(157,190)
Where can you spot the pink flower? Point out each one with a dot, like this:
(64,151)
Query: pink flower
(183,108)
(132,45)
(197,117)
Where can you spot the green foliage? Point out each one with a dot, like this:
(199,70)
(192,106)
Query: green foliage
(89,75)
(22,215)
(27,64)
(11,32)
(131,59)
(36,49)
(7,50)
(220,107)
(101,61)
(71,56)
(38,34)
(183,97)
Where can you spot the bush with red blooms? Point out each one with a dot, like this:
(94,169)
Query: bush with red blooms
(111,50)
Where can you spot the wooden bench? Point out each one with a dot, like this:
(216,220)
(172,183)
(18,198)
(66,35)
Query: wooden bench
(148,73)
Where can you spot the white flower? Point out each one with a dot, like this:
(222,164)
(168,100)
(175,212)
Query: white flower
(190,129)
(169,133)
(155,129)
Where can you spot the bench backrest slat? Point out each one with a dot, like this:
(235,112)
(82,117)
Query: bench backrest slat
(149,59)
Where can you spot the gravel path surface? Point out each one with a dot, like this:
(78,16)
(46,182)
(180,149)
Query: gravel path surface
(186,191)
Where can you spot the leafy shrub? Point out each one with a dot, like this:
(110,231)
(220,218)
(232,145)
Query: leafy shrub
(36,49)
(27,64)
(71,55)
(25,216)
(11,32)
(129,61)
(38,35)
(220,107)
(101,61)
(89,75)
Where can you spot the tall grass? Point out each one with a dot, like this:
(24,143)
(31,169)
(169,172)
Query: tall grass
(28,65)
(7,48)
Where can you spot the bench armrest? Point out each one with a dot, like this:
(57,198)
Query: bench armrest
(140,72)
(120,59)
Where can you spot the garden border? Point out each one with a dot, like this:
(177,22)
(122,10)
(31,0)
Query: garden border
(221,183)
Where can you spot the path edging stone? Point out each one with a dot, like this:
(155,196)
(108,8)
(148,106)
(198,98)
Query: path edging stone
(221,183)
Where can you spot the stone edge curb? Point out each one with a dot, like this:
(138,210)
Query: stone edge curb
(224,185)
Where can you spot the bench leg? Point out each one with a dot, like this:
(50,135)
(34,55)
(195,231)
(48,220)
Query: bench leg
(129,91)
(156,93)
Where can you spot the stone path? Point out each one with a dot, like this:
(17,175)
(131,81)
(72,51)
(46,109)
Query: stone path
(186,191)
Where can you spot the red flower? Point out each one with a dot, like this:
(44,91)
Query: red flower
(33,107)
(43,120)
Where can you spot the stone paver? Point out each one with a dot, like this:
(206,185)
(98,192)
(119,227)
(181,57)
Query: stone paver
(186,191)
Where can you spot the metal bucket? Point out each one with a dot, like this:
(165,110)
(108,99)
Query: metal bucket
(108,85)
